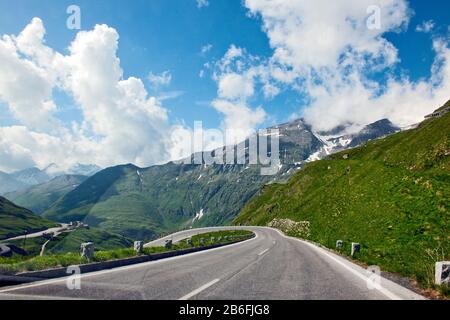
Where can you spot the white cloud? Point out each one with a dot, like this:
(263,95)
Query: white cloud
(121,123)
(25,86)
(325,51)
(202,3)
(425,26)
(206,48)
(240,120)
(235,86)
(235,75)
(158,80)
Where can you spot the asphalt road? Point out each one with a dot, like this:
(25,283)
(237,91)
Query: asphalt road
(269,266)
(55,230)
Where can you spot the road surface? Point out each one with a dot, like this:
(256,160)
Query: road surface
(269,266)
(55,230)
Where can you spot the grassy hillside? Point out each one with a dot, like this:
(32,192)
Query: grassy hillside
(70,242)
(15,220)
(142,203)
(40,197)
(391,195)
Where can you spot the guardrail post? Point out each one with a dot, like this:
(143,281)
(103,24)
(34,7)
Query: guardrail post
(139,246)
(442,273)
(87,250)
(356,247)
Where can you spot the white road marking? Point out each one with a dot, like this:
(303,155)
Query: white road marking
(262,252)
(383,290)
(138,265)
(197,291)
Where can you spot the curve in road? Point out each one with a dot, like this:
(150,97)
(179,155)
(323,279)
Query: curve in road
(268,266)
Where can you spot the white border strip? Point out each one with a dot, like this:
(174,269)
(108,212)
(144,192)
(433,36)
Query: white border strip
(197,291)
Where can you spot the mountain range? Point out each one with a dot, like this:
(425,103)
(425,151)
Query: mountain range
(391,195)
(145,202)
(23,179)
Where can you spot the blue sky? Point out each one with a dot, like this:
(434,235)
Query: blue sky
(161,35)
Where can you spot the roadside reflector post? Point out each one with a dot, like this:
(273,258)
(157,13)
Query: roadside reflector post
(442,273)
(356,247)
(87,250)
(139,246)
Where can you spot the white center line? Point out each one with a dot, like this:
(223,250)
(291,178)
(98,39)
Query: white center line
(197,291)
(264,251)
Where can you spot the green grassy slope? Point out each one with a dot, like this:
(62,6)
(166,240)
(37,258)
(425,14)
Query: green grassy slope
(103,240)
(40,197)
(391,195)
(71,242)
(15,220)
(160,199)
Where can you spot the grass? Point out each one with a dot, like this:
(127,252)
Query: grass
(391,195)
(15,220)
(17,264)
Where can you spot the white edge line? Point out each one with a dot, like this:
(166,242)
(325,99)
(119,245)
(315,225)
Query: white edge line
(383,290)
(138,265)
(262,252)
(197,291)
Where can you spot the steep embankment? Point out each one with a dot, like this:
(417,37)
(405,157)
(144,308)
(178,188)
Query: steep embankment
(391,195)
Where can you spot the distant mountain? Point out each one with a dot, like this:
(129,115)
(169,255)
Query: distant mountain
(144,202)
(54,170)
(40,197)
(23,179)
(9,184)
(391,195)
(15,220)
(333,143)
(31,176)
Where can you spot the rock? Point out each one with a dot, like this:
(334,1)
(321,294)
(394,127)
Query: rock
(299,228)
(87,250)
(339,244)
(345,156)
(189,242)
(442,273)
(139,246)
(356,247)
(168,244)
